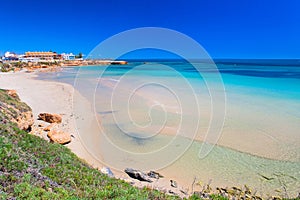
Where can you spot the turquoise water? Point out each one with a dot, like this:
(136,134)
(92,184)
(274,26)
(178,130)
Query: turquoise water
(156,115)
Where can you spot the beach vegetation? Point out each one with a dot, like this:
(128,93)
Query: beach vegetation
(79,55)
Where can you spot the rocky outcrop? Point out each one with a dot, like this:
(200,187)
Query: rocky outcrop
(137,174)
(25,120)
(59,137)
(12,93)
(50,118)
(15,110)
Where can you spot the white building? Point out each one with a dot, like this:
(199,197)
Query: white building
(68,56)
(30,59)
(10,56)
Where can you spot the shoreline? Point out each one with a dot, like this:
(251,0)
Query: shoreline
(44,98)
(53,92)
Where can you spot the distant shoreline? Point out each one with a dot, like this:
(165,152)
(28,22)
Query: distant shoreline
(53,64)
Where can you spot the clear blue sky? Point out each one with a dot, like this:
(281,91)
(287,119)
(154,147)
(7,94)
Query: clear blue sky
(225,28)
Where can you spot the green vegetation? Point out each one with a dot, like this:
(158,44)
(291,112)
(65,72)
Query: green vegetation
(12,101)
(32,168)
(4,67)
(79,55)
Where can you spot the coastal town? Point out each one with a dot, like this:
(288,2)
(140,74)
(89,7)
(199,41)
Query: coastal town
(31,60)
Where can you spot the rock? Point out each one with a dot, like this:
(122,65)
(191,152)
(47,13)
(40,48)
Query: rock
(51,118)
(137,174)
(172,192)
(17,69)
(232,192)
(247,189)
(25,121)
(16,111)
(153,174)
(59,137)
(237,189)
(107,171)
(12,93)
(173,183)
(49,127)
(257,198)
(184,192)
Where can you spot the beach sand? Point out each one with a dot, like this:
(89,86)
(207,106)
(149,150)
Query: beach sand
(54,97)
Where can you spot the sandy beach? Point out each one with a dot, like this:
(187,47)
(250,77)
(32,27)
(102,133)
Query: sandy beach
(54,97)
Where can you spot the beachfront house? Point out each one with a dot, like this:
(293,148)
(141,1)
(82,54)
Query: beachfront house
(68,56)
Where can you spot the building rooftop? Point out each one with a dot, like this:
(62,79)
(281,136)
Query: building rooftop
(40,54)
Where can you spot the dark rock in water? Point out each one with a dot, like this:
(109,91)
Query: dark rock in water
(184,192)
(137,174)
(154,174)
(107,171)
(172,192)
(173,183)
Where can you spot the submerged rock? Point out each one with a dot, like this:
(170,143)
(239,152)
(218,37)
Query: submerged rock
(173,183)
(154,174)
(59,137)
(137,174)
(50,118)
(107,171)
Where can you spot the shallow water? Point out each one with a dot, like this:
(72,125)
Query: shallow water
(151,113)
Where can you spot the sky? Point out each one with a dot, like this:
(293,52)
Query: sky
(225,28)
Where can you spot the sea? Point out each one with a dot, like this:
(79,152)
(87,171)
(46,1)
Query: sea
(226,123)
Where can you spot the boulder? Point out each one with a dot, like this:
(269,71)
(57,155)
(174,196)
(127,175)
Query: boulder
(137,174)
(153,174)
(173,183)
(59,137)
(12,93)
(51,118)
(25,121)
